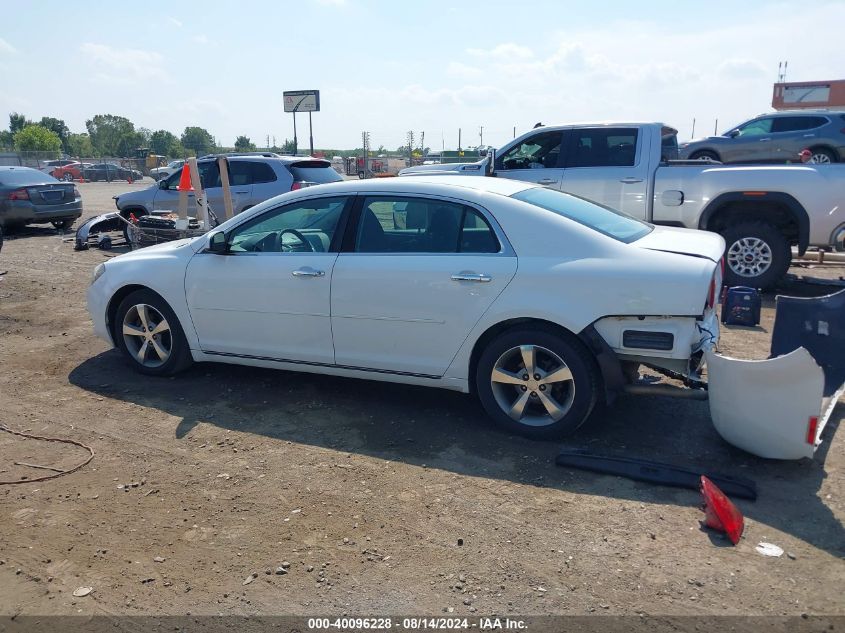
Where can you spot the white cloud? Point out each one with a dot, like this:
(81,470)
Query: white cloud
(174,21)
(5,47)
(506,51)
(332,3)
(123,65)
(457,69)
(200,39)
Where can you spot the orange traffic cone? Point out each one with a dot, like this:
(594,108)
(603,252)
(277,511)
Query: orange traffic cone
(719,513)
(185,179)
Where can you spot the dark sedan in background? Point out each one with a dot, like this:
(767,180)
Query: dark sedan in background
(29,196)
(109,172)
(777,137)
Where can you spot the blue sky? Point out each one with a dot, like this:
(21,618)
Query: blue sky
(390,67)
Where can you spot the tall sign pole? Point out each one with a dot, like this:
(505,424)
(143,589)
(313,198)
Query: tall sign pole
(302,101)
(310,133)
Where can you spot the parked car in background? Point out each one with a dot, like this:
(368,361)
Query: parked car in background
(47,166)
(761,210)
(253,179)
(458,283)
(157,173)
(29,196)
(70,172)
(109,172)
(777,137)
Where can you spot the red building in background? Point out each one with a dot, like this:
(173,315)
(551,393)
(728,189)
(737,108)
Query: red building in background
(796,95)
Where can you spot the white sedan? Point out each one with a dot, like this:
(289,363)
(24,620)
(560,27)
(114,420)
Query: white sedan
(539,302)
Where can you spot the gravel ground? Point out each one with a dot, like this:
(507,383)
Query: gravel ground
(373,498)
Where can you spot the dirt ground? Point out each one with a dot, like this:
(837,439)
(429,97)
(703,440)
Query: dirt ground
(382,499)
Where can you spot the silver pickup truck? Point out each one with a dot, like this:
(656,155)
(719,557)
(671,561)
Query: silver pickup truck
(761,210)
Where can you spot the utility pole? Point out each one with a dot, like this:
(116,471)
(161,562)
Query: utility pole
(481,135)
(693,128)
(514,131)
(716,128)
(422,141)
(459,139)
(365,146)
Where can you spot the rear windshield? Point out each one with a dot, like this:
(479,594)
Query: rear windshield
(24,176)
(606,221)
(314,171)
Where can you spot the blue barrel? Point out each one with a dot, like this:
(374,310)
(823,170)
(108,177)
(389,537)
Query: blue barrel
(741,306)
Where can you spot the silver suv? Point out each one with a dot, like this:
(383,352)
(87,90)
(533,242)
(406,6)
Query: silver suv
(777,137)
(253,178)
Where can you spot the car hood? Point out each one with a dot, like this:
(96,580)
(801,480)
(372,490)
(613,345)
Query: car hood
(684,242)
(469,169)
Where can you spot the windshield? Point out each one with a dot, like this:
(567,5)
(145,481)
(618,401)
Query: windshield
(606,221)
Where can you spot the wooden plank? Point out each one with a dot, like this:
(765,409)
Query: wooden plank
(223,165)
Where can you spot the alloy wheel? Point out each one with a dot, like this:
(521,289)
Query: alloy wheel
(820,159)
(147,335)
(532,385)
(749,257)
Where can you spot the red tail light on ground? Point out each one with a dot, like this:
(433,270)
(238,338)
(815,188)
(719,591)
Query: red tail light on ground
(719,513)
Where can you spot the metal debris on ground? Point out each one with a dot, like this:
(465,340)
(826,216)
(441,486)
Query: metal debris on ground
(769,549)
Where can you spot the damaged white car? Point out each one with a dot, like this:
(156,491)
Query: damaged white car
(539,302)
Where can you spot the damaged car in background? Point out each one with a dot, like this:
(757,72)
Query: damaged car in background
(540,303)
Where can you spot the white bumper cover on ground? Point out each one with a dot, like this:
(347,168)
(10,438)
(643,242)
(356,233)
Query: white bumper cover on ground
(771,408)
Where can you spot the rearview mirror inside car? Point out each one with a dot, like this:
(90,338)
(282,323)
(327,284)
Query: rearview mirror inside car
(217,243)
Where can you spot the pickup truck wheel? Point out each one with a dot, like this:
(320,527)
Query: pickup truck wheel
(757,254)
(704,154)
(536,383)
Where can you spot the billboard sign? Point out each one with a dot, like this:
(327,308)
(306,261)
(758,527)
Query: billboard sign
(302,101)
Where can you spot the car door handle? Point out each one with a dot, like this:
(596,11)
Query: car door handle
(468,276)
(809,136)
(307,271)
(763,140)
(546,181)
(630,180)
(242,192)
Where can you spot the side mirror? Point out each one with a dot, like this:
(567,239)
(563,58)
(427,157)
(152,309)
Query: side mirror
(733,133)
(217,243)
(162,184)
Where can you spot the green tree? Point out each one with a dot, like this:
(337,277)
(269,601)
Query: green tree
(35,138)
(7,139)
(243,144)
(17,122)
(288,147)
(59,127)
(128,143)
(79,145)
(163,142)
(106,131)
(197,139)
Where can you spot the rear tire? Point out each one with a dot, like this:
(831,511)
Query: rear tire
(704,154)
(67,177)
(757,254)
(148,333)
(822,156)
(537,383)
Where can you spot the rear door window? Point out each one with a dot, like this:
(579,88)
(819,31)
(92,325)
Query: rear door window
(314,171)
(603,147)
(240,173)
(261,173)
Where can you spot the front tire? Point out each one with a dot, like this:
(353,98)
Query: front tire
(148,333)
(537,383)
(67,177)
(757,254)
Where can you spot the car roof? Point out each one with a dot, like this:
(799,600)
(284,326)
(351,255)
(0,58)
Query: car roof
(16,167)
(459,186)
(797,112)
(287,160)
